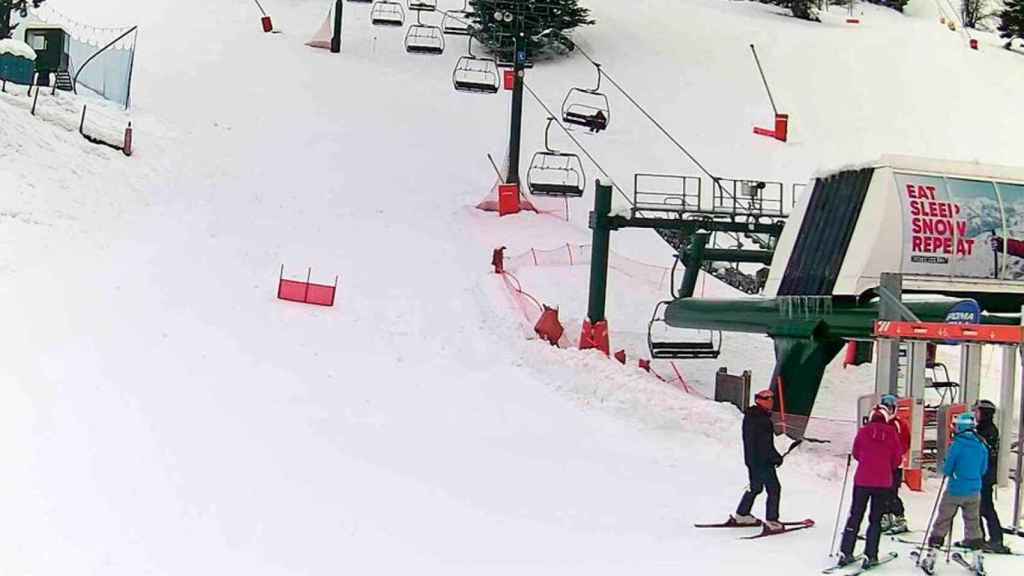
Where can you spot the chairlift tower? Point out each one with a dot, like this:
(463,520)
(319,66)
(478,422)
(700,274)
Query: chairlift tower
(518,68)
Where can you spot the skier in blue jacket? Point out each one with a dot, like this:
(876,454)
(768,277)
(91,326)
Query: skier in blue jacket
(966,463)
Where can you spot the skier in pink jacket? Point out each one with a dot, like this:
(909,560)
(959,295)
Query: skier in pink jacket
(878,452)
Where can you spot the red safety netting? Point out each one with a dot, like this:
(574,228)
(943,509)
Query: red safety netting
(580,254)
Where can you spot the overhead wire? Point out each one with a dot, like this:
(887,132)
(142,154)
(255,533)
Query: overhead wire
(576,142)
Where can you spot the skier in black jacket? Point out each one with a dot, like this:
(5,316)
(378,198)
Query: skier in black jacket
(761,458)
(985,411)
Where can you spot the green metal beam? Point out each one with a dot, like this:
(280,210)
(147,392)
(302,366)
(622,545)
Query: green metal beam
(740,256)
(691,226)
(694,260)
(794,317)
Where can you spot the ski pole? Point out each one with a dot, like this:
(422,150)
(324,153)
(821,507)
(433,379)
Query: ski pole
(792,446)
(927,532)
(839,511)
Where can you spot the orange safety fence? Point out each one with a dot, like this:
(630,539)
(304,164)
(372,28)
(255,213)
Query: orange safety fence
(580,254)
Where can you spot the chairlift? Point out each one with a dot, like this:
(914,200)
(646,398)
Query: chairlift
(424,38)
(587,107)
(423,5)
(475,74)
(458,22)
(387,13)
(554,173)
(707,345)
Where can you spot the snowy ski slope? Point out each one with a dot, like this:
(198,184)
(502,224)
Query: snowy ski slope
(162,413)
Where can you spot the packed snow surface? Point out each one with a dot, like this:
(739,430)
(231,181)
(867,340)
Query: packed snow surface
(163,413)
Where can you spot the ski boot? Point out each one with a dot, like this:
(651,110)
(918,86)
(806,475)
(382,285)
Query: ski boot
(898,525)
(846,560)
(773,526)
(927,562)
(869,563)
(972,544)
(743,520)
(997,548)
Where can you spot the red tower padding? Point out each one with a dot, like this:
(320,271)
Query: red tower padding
(508,199)
(595,336)
(268,26)
(548,326)
(509,78)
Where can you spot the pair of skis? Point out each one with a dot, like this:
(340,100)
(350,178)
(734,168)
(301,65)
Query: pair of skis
(857,566)
(927,564)
(961,549)
(786,527)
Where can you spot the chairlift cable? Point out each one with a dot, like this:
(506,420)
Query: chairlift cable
(604,72)
(576,142)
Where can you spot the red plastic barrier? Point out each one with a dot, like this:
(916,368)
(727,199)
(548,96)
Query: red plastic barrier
(548,327)
(595,336)
(306,292)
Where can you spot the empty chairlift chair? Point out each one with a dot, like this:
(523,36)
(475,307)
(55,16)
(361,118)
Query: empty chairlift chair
(457,22)
(554,173)
(701,343)
(423,39)
(475,74)
(587,107)
(387,13)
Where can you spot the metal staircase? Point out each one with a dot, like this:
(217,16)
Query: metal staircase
(64,82)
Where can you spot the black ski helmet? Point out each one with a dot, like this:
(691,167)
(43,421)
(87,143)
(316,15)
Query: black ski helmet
(986,409)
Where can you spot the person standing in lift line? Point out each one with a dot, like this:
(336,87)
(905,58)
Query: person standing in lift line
(761,458)
(984,413)
(894,521)
(878,452)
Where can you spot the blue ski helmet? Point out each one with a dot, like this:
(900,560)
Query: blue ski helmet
(889,401)
(965,422)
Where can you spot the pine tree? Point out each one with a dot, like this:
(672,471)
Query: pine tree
(804,9)
(536,26)
(1011,21)
(7,7)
